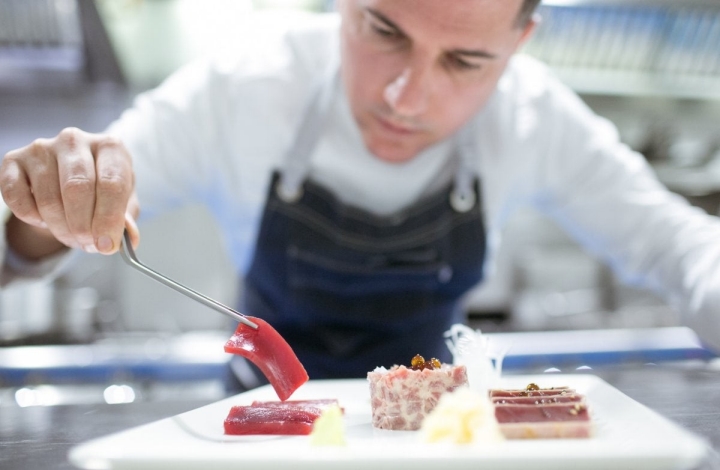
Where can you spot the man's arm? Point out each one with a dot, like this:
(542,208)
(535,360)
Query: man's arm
(608,197)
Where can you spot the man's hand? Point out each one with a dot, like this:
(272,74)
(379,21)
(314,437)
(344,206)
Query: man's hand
(75,190)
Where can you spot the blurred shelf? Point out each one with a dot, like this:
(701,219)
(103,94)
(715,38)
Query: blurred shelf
(638,48)
(637,83)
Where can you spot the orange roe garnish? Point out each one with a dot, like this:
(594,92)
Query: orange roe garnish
(419,363)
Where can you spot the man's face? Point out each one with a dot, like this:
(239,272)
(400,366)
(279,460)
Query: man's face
(416,70)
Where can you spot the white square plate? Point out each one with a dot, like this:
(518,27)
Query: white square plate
(627,436)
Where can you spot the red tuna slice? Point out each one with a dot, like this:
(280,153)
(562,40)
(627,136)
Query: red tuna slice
(246,420)
(559,412)
(531,401)
(265,348)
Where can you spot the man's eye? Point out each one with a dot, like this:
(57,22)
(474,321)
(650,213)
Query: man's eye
(384,32)
(461,64)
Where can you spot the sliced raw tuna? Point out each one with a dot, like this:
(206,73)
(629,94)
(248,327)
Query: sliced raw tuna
(269,351)
(292,417)
(246,420)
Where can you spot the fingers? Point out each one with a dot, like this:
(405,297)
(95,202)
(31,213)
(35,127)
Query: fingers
(76,176)
(16,192)
(42,170)
(132,229)
(30,187)
(133,207)
(113,189)
(77,185)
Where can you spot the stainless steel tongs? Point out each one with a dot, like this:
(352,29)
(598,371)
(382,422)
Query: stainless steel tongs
(128,254)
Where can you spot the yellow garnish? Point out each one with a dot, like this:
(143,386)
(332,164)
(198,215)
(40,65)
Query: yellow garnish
(462,417)
(329,428)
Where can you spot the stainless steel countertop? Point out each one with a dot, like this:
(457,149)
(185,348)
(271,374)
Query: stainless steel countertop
(39,438)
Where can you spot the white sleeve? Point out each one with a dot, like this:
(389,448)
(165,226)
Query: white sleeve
(172,133)
(168,132)
(609,198)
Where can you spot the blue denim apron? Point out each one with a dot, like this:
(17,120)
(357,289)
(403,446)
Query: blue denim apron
(350,290)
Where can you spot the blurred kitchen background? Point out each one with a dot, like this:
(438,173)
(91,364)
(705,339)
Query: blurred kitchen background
(652,67)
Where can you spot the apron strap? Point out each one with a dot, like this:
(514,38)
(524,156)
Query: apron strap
(297,158)
(463,196)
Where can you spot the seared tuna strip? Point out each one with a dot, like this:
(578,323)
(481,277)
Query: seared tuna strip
(541,413)
(548,421)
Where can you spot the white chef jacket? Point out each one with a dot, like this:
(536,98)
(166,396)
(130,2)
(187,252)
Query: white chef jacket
(214,132)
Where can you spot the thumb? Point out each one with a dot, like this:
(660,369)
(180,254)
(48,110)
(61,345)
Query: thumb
(132,229)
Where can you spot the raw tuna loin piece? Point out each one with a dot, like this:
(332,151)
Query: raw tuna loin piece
(265,348)
(279,418)
(244,420)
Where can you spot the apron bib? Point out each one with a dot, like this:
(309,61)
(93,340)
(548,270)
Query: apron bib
(350,290)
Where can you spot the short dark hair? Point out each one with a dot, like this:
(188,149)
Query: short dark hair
(526,12)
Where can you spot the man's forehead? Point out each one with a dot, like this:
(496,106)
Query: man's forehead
(462,21)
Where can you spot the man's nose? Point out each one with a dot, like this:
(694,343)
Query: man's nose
(407,95)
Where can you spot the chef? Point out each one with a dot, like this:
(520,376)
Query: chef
(361,166)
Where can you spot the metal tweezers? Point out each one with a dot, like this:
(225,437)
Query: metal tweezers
(128,254)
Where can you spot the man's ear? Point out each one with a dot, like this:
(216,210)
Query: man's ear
(529,29)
